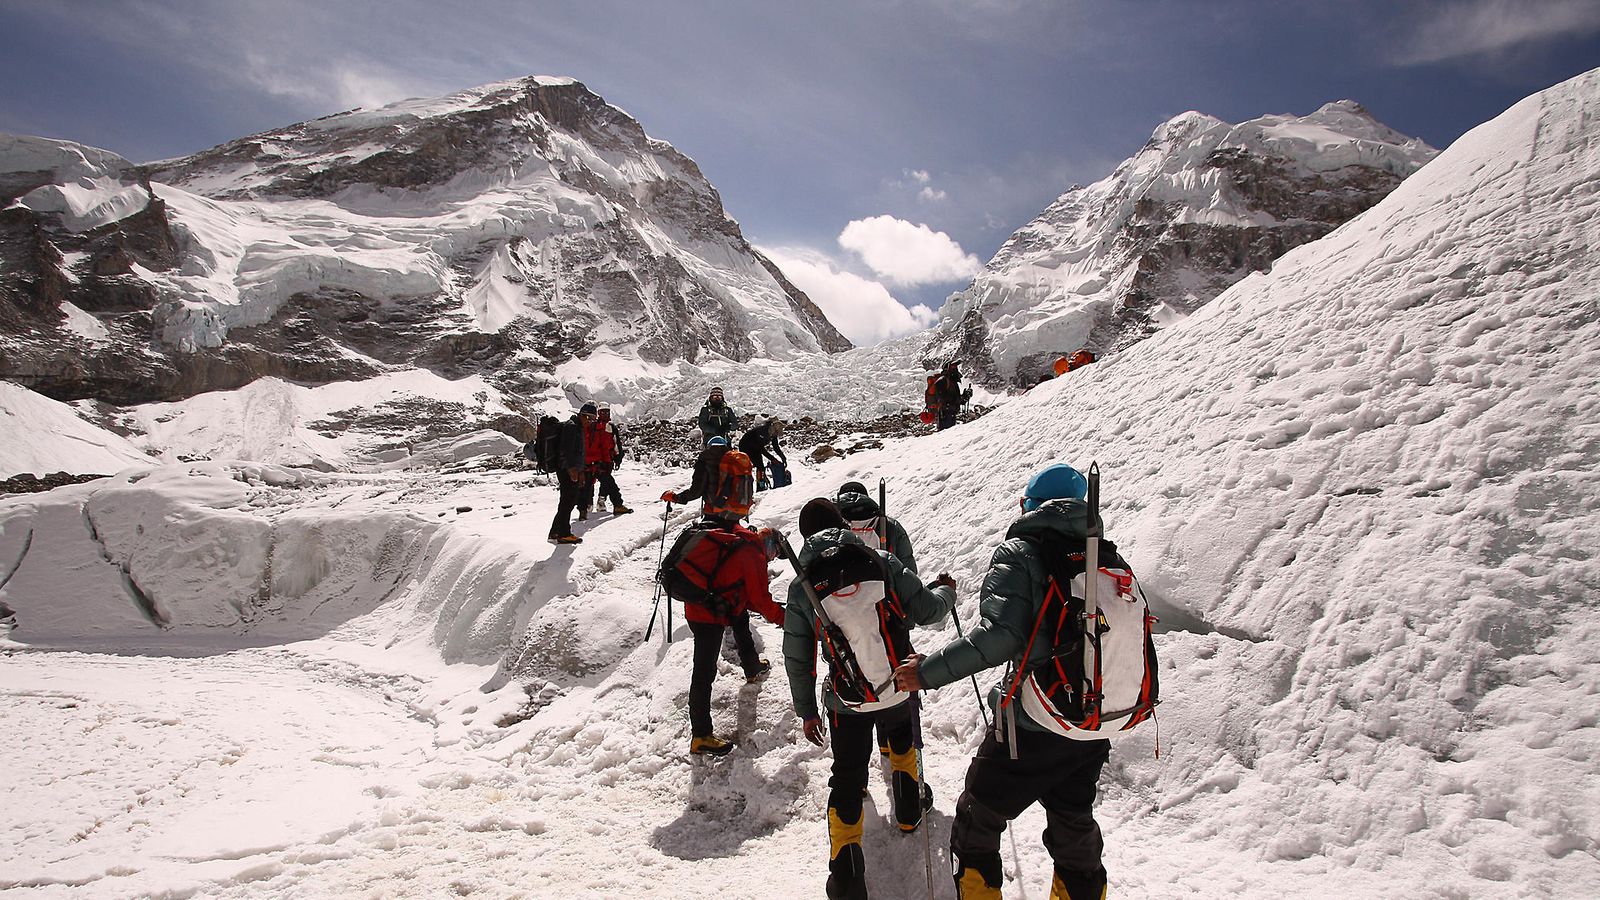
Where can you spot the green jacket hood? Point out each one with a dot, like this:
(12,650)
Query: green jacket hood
(1067,518)
(823,540)
(857,507)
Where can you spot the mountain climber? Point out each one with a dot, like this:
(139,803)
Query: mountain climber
(945,396)
(761,445)
(705,471)
(869,523)
(716,418)
(601,454)
(869,601)
(1058,772)
(569,473)
(729,562)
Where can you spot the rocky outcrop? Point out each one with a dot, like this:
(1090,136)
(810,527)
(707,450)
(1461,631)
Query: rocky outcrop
(503,230)
(1202,205)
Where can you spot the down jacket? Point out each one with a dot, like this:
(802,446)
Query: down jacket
(1013,593)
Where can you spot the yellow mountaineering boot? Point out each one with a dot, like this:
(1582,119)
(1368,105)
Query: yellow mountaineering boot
(1084,887)
(978,876)
(710,745)
(912,797)
(847,866)
(971,886)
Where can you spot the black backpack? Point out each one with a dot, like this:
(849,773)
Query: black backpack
(691,566)
(544,450)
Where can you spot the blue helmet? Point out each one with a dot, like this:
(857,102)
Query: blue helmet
(717,441)
(1054,483)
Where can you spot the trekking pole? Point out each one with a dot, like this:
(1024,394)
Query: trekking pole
(655,606)
(976,691)
(922,785)
(1091,578)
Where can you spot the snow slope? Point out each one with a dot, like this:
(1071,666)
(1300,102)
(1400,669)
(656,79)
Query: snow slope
(40,435)
(1359,490)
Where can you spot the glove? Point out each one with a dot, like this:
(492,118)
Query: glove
(669,497)
(815,733)
(944,580)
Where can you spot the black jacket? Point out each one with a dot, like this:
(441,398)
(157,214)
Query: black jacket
(704,469)
(569,451)
(756,443)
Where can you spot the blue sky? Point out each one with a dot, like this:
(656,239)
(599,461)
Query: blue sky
(942,125)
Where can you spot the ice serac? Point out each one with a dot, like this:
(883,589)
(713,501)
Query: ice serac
(1200,206)
(501,230)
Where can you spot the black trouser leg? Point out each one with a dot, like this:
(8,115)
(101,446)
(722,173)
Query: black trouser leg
(1071,834)
(744,643)
(570,489)
(897,728)
(609,489)
(1060,772)
(707,647)
(588,489)
(851,741)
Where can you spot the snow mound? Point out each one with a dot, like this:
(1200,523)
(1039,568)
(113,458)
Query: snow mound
(40,435)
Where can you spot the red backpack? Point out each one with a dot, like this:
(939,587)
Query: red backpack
(690,567)
(733,487)
(933,398)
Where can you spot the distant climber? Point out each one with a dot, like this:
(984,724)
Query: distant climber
(706,468)
(1041,755)
(761,444)
(570,464)
(944,396)
(602,452)
(860,604)
(716,418)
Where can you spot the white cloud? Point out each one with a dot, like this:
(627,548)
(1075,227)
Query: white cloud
(907,253)
(863,310)
(1482,27)
(920,176)
(932,195)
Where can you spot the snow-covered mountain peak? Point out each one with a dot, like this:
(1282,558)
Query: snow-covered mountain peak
(1202,204)
(503,230)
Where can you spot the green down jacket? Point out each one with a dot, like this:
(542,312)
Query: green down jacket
(923,606)
(859,508)
(1009,602)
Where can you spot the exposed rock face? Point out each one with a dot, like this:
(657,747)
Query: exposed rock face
(1202,205)
(502,230)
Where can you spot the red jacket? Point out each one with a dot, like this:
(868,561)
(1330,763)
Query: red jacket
(742,580)
(599,444)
